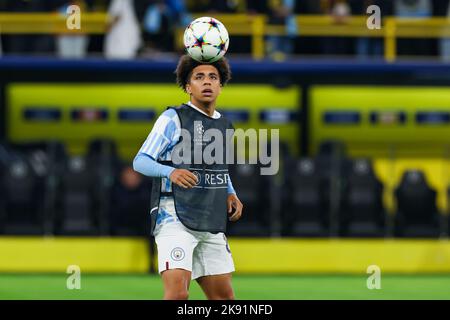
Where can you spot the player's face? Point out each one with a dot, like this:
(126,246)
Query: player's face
(204,84)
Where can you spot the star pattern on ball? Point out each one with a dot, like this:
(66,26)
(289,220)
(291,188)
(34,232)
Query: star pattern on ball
(222,45)
(198,42)
(213,24)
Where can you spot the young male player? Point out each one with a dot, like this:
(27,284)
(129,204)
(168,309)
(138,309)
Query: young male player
(191,201)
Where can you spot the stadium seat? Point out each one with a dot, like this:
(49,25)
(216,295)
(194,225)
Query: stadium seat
(76,206)
(252,190)
(42,161)
(23,189)
(3,166)
(304,214)
(276,190)
(49,156)
(333,167)
(363,214)
(85,193)
(103,163)
(417,214)
(131,204)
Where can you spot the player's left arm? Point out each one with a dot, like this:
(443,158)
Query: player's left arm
(233,202)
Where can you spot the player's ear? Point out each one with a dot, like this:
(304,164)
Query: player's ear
(188,88)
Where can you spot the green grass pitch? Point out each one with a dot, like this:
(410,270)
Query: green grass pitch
(252,287)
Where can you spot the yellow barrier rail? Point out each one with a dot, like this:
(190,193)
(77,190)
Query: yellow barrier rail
(392,28)
(54,23)
(252,256)
(254,26)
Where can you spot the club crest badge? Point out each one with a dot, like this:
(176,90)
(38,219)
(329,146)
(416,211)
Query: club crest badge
(177,254)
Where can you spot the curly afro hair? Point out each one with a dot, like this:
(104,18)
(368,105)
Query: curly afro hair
(186,65)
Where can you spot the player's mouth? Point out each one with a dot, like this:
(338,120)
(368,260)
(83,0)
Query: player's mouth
(207,92)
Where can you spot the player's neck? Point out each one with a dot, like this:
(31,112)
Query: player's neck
(207,108)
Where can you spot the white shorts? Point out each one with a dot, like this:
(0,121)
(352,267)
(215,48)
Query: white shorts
(202,253)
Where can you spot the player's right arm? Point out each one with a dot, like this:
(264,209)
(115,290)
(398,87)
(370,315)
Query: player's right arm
(163,134)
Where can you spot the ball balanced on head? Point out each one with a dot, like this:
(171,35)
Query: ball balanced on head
(206,39)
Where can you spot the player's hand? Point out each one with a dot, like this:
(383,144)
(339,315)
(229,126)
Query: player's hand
(233,202)
(183,178)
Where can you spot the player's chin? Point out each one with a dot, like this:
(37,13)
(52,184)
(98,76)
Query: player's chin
(208,98)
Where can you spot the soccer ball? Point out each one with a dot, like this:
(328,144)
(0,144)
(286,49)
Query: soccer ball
(206,39)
